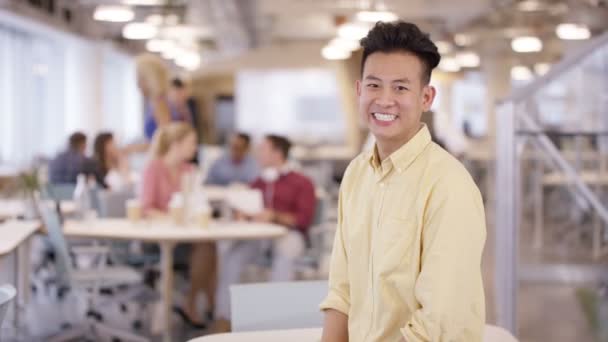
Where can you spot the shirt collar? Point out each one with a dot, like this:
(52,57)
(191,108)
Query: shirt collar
(406,154)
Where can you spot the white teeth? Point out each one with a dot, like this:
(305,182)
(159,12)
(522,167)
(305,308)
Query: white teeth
(384,117)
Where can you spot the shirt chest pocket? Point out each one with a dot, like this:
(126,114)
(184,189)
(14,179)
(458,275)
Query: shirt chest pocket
(395,244)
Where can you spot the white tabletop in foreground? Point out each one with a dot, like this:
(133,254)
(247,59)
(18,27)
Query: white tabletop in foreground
(296,335)
(13,233)
(165,230)
(491,334)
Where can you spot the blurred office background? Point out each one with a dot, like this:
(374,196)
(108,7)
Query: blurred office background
(522,102)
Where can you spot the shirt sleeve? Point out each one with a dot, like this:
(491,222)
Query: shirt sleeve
(149,191)
(449,287)
(214,176)
(338,297)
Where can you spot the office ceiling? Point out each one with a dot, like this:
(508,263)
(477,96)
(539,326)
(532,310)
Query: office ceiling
(229,27)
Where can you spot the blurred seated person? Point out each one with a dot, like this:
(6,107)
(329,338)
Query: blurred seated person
(112,167)
(67,165)
(289,201)
(172,147)
(235,166)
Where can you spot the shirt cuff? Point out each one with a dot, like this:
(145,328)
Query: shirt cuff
(335,303)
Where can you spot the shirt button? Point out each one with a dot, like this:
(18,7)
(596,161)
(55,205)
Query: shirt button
(381,184)
(399,170)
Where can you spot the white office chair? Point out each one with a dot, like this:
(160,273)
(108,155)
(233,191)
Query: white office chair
(7,294)
(271,306)
(86,282)
(493,333)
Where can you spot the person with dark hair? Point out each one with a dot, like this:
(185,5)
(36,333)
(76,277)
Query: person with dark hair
(289,201)
(236,166)
(406,259)
(112,170)
(67,165)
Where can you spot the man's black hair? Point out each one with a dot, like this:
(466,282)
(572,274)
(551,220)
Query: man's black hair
(401,36)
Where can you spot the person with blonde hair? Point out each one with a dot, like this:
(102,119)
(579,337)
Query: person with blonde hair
(153,82)
(173,146)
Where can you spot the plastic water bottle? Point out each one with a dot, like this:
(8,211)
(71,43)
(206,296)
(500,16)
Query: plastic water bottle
(82,198)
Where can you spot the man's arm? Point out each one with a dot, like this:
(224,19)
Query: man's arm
(337,303)
(449,286)
(335,328)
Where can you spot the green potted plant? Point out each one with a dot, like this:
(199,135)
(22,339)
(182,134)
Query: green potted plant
(30,185)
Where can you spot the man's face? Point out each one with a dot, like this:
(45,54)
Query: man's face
(392,95)
(178,95)
(267,154)
(238,148)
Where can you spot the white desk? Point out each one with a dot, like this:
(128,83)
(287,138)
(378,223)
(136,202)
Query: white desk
(15,236)
(167,235)
(13,208)
(295,335)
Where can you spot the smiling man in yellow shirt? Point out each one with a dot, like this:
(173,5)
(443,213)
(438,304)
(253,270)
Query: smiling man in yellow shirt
(406,260)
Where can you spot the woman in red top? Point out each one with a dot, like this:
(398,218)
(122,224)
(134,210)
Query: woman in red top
(172,147)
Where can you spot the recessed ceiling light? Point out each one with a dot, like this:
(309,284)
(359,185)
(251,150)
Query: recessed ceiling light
(144,2)
(341,43)
(542,68)
(449,64)
(530,6)
(468,59)
(334,53)
(570,31)
(526,44)
(139,31)
(353,31)
(444,46)
(462,39)
(113,13)
(521,73)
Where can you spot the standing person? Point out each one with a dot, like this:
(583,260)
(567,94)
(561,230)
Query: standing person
(153,81)
(67,165)
(406,258)
(235,166)
(289,201)
(183,107)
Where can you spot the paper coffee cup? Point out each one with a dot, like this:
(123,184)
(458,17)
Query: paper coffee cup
(134,210)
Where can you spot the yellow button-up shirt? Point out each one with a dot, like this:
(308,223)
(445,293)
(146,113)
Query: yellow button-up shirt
(406,259)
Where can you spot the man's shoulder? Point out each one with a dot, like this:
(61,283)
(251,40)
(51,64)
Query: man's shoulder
(357,165)
(446,172)
(444,164)
(298,178)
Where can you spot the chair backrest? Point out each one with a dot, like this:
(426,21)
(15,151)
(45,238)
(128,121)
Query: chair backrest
(113,203)
(63,261)
(271,306)
(7,294)
(493,333)
(61,192)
